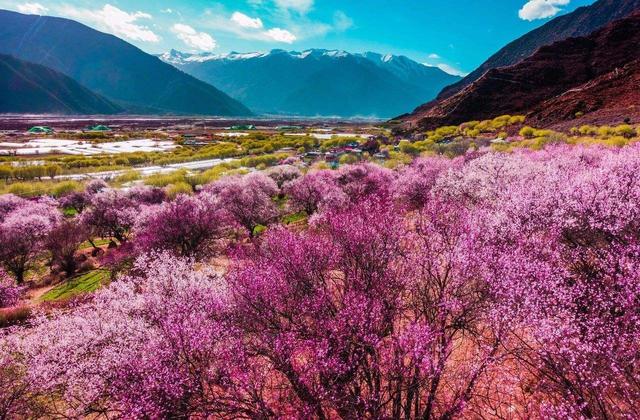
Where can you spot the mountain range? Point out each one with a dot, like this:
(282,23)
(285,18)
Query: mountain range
(317,81)
(111,67)
(32,88)
(570,78)
(584,65)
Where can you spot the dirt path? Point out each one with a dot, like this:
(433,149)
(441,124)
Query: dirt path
(34,295)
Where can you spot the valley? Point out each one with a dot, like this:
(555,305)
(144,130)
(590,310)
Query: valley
(294,232)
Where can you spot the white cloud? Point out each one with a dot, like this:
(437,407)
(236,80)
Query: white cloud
(341,22)
(246,27)
(115,21)
(300,6)
(280,35)
(32,8)
(447,68)
(541,9)
(194,39)
(245,21)
(434,60)
(278,24)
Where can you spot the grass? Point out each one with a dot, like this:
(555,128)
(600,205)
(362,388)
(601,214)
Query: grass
(85,283)
(69,212)
(97,242)
(294,218)
(259,230)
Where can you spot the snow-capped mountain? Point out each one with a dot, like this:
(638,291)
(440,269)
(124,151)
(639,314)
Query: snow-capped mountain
(179,58)
(317,81)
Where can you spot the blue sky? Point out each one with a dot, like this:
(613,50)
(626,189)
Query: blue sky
(457,35)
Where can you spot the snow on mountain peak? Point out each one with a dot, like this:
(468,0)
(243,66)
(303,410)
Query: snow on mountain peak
(179,58)
(336,53)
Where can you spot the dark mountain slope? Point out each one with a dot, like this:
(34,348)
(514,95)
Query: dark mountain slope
(580,22)
(352,87)
(553,71)
(32,88)
(110,66)
(424,79)
(612,98)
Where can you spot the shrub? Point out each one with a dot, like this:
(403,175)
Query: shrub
(472,132)
(52,170)
(409,148)
(65,188)
(173,190)
(163,180)
(23,189)
(348,159)
(625,130)
(528,132)
(128,176)
(605,131)
(6,172)
(27,173)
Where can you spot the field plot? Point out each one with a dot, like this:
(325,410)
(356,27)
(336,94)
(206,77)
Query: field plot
(77,147)
(327,136)
(85,283)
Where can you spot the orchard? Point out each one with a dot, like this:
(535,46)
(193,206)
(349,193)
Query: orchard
(492,285)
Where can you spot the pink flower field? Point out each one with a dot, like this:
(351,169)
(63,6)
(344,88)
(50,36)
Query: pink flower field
(492,285)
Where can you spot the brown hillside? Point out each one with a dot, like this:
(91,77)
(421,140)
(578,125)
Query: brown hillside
(580,70)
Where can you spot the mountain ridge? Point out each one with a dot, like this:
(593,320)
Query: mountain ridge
(111,67)
(297,82)
(546,84)
(32,88)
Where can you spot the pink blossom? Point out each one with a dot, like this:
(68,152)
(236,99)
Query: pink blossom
(9,292)
(246,201)
(22,234)
(111,214)
(145,347)
(493,285)
(189,226)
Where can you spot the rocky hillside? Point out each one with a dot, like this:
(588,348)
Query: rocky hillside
(32,88)
(580,22)
(609,99)
(558,81)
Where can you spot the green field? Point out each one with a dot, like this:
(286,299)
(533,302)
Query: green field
(85,283)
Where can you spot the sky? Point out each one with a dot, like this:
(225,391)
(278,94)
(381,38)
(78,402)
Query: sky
(455,35)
